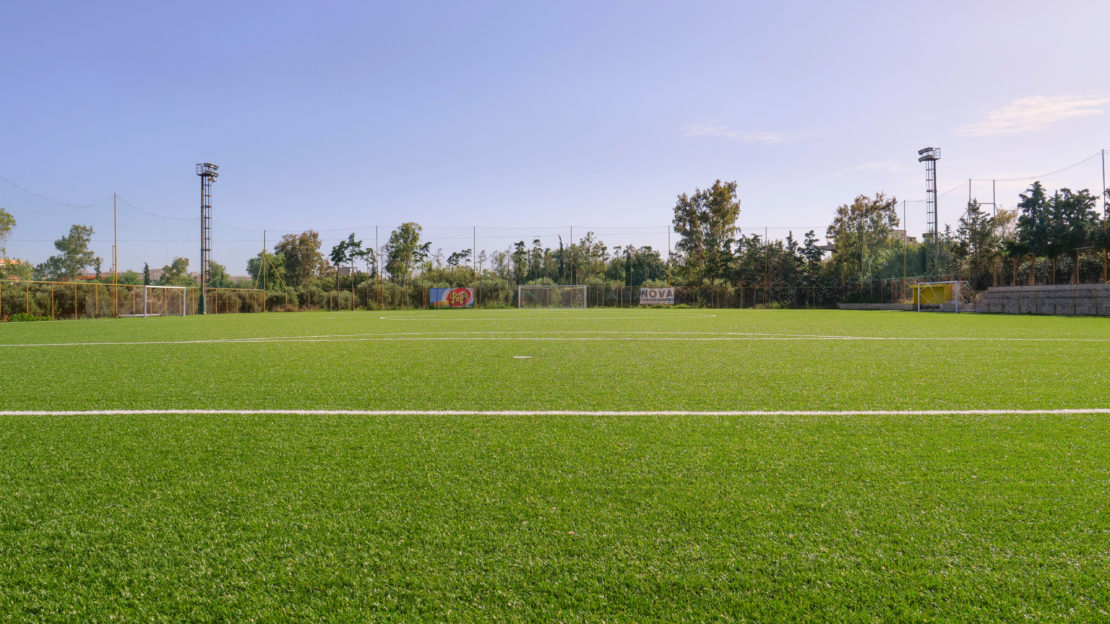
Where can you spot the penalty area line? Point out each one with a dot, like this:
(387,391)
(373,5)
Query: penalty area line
(400,412)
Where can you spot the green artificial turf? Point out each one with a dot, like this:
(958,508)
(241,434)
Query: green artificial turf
(601,360)
(556,518)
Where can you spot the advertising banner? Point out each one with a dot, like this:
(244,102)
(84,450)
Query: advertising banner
(656,296)
(452,297)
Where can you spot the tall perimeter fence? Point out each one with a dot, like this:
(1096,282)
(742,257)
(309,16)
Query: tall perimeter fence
(28,299)
(24,299)
(34,300)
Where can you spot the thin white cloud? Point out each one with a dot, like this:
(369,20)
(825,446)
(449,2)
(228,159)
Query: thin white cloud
(742,136)
(1034,113)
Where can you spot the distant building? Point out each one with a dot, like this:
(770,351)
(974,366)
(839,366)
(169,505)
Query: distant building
(901,235)
(10,263)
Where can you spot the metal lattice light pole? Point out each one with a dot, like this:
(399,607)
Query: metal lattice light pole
(930,156)
(208,175)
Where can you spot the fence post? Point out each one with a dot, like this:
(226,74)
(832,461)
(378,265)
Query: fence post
(75,301)
(51,300)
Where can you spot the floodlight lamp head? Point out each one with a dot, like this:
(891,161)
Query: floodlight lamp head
(928,153)
(208,170)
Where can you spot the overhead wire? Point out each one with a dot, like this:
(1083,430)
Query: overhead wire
(1043,175)
(51,199)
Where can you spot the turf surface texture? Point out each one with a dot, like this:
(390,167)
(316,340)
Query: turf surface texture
(570,517)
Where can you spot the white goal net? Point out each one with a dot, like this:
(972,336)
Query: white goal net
(155,301)
(550,296)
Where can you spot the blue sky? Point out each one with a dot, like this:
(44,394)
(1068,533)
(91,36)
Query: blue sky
(524,118)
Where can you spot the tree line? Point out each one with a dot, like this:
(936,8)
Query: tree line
(1048,235)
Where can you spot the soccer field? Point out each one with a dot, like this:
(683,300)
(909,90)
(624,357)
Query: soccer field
(599,465)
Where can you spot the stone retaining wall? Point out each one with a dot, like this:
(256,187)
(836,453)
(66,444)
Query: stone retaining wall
(1066,300)
(875,306)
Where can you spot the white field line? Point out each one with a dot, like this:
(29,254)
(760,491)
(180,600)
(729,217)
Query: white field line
(346,412)
(505,318)
(560,336)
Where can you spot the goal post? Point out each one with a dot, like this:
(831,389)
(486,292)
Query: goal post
(550,296)
(158,301)
(946,296)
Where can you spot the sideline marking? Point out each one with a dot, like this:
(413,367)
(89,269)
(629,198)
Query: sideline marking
(343,412)
(599,336)
(577,318)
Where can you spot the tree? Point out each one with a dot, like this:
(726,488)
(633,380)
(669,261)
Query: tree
(404,251)
(345,251)
(458,257)
(1031,237)
(370,258)
(861,231)
(811,255)
(146,274)
(635,265)
(7,224)
(267,270)
(706,225)
(977,243)
(1102,236)
(303,260)
(589,257)
(536,260)
(176,273)
(218,277)
(1054,226)
(74,258)
(519,256)
(132,278)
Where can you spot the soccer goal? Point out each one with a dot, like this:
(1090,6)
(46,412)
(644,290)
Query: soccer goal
(550,296)
(157,301)
(950,296)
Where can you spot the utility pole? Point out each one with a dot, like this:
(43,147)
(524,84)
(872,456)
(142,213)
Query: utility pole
(904,243)
(208,175)
(378,266)
(115,248)
(766,265)
(930,156)
(573,279)
(1104,211)
(967,211)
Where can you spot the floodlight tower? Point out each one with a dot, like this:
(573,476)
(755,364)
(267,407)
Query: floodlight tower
(930,156)
(208,175)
